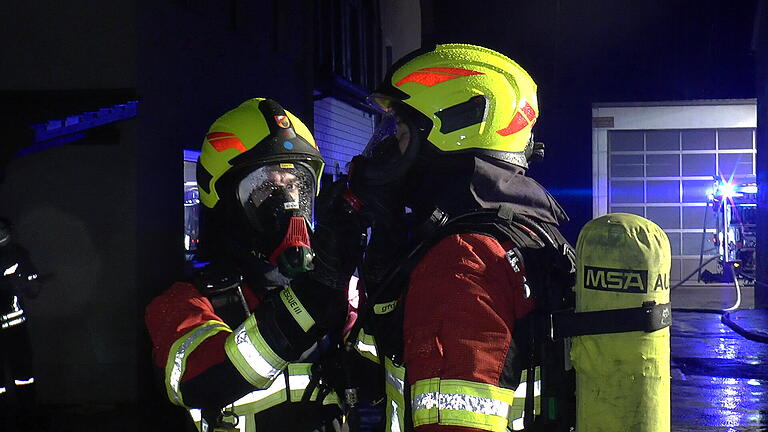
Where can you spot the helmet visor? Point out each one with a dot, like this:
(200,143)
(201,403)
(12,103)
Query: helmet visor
(390,139)
(277,191)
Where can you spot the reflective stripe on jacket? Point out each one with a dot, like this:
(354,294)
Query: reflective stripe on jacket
(14,317)
(180,352)
(252,356)
(456,402)
(285,388)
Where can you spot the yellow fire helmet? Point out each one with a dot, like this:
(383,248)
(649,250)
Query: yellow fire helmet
(256,133)
(465,98)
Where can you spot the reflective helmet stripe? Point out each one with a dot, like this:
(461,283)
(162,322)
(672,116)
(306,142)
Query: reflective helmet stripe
(524,116)
(461,403)
(252,356)
(179,353)
(435,75)
(224,140)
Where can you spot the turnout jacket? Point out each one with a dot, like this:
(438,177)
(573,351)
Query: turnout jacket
(251,365)
(464,359)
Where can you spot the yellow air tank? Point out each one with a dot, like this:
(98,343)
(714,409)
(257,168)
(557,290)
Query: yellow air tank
(622,379)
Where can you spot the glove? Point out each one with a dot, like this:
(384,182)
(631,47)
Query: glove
(338,237)
(292,319)
(383,208)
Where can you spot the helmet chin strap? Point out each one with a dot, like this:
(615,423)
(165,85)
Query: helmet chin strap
(294,254)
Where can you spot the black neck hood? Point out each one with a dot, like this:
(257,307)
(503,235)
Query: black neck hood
(458,184)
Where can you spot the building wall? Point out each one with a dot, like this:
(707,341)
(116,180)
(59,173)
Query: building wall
(401,27)
(341,132)
(659,162)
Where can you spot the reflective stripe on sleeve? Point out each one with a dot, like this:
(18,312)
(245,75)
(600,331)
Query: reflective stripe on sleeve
(297,310)
(518,406)
(11,270)
(252,356)
(13,322)
(179,353)
(461,403)
(22,382)
(299,376)
(11,315)
(260,400)
(395,391)
(276,393)
(366,346)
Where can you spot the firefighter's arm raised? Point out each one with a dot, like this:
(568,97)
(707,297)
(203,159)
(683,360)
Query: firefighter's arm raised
(207,363)
(285,325)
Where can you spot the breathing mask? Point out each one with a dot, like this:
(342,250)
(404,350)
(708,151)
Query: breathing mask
(277,200)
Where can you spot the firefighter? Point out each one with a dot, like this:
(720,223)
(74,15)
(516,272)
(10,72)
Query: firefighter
(19,280)
(461,241)
(236,341)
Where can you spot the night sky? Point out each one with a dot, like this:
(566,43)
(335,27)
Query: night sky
(590,51)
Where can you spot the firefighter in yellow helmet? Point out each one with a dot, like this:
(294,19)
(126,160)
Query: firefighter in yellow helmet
(236,341)
(461,241)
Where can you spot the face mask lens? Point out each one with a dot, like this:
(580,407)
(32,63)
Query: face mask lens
(287,189)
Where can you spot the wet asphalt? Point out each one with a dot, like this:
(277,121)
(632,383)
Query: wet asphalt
(719,377)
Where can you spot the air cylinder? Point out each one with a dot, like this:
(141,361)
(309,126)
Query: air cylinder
(622,379)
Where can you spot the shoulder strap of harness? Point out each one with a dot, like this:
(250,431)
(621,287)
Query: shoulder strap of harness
(221,284)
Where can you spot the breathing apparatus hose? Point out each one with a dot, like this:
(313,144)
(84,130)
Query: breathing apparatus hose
(736,286)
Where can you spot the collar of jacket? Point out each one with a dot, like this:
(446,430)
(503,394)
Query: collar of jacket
(459,184)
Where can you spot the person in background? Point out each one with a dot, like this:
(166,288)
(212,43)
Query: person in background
(19,280)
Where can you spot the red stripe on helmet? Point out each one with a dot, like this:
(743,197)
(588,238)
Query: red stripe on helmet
(524,116)
(425,78)
(516,125)
(529,111)
(225,143)
(436,75)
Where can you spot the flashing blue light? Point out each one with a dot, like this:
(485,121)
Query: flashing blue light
(288,145)
(726,190)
